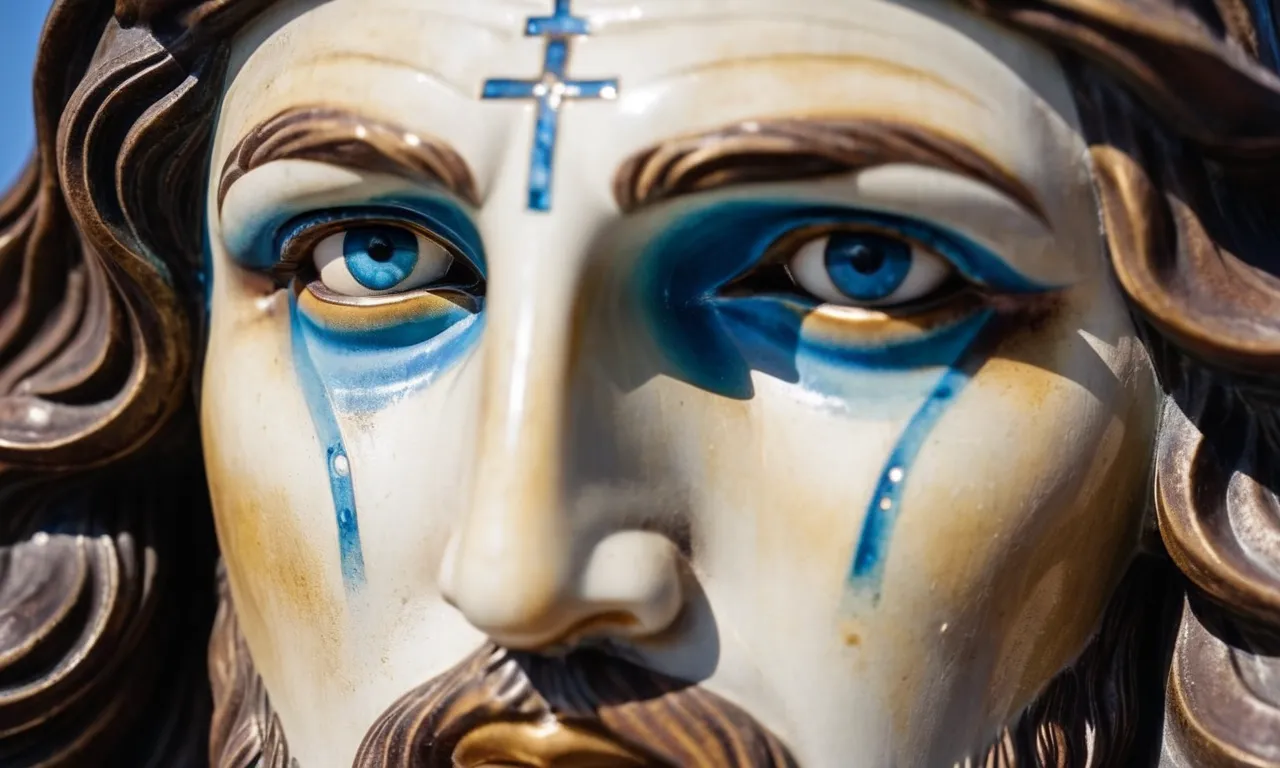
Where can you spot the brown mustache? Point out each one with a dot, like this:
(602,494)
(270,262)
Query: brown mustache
(587,709)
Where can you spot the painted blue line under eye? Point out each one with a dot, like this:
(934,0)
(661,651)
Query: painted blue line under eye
(380,257)
(714,341)
(352,371)
(866,266)
(369,375)
(705,249)
(337,462)
(867,570)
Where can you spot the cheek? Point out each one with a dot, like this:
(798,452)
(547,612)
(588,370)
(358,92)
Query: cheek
(791,473)
(267,481)
(1025,455)
(1030,497)
(1015,519)
(412,462)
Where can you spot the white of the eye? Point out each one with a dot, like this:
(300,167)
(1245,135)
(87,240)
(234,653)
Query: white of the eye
(433,263)
(808,266)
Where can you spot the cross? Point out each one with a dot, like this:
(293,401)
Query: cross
(550,90)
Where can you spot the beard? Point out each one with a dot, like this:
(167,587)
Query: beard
(583,710)
(590,710)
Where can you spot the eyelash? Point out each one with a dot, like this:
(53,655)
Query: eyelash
(296,241)
(764,238)
(976,269)
(773,274)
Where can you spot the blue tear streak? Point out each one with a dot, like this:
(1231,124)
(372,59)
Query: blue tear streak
(326,427)
(867,571)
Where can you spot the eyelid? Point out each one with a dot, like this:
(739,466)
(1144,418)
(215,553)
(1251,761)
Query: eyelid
(296,238)
(975,262)
(269,199)
(1036,245)
(1040,250)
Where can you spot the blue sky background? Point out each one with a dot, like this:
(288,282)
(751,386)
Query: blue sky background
(20,22)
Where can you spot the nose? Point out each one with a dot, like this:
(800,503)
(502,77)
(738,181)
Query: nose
(524,565)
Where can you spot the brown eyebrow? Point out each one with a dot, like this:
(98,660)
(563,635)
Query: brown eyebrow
(793,149)
(348,140)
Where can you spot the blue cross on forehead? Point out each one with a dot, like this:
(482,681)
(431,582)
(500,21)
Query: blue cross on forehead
(550,91)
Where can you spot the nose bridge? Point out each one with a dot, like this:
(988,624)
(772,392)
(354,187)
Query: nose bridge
(526,371)
(521,566)
(512,563)
(529,306)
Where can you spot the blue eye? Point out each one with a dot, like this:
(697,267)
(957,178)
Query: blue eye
(867,268)
(379,259)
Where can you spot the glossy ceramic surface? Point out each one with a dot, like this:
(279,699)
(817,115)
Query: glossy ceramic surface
(863,452)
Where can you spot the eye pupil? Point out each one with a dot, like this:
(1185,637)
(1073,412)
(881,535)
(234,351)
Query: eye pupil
(864,259)
(865,265)
(380,249)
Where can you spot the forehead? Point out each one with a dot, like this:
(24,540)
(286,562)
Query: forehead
(683,66)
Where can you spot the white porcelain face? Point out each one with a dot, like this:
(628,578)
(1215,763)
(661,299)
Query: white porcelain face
(864,453)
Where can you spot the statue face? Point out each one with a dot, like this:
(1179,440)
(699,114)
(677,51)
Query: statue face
(770,347)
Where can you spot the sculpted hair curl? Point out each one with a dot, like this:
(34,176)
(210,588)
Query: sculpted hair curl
(1181,108)
(107,552)
(106,546)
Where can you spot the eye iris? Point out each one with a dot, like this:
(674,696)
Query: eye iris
(867,266)
(380,258)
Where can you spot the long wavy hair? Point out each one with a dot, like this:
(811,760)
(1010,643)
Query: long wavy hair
(107,558)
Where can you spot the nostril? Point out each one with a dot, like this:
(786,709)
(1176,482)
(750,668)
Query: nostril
(612,623)
(637,574)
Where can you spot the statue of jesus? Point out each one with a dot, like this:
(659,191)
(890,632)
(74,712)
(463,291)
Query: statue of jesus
(690,383)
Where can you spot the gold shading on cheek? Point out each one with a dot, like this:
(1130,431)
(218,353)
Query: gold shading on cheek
(277,571)
(964,518)
(803,535)
(1036,337)
(1027,513)
(1046,529)
(1073,566)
